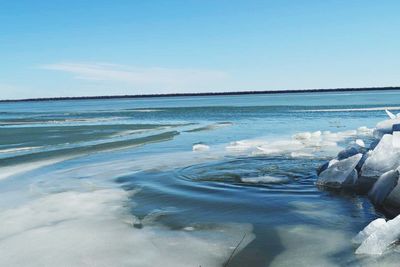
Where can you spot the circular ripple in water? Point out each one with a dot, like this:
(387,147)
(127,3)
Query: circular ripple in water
(254,170)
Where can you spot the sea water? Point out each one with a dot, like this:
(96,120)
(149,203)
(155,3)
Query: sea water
(183,181)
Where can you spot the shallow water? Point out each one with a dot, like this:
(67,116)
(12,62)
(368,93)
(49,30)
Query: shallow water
(119,183)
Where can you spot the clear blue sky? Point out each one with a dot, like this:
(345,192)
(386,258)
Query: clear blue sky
(71,48)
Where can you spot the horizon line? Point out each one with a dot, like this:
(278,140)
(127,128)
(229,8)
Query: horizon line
(321,90)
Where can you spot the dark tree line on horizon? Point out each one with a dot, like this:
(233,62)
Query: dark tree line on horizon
(204,94)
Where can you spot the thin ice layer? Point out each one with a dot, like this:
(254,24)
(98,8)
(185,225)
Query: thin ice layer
(94,229)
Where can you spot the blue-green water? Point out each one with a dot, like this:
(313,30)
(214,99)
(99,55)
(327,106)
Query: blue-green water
(122,182)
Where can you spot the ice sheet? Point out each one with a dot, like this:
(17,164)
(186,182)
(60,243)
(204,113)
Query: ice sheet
(94,229)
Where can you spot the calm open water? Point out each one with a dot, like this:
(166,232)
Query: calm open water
(120,183)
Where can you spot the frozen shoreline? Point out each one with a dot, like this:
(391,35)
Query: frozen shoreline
(373,170)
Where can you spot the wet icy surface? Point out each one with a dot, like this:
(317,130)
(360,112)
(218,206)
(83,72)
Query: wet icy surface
(185,181)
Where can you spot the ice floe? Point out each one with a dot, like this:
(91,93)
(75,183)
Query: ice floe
(300,145)
(244,145)
(301,155)
(264,179)
(363,130)
(200,147)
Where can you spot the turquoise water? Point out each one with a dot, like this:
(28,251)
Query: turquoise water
(123,182)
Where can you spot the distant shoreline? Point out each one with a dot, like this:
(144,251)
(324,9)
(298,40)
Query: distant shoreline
(294,91)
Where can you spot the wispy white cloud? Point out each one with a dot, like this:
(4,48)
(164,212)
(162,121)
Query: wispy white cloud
(163,78)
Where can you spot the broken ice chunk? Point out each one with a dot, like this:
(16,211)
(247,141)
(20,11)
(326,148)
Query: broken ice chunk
(385,127)
(360,143)
(200,147)
(382,188)
(373,144)
(381,237)
(382,159)
(393,199)
(396,136)
(301,155)
(352,179)
(340,173)
(355,148)
(280,147)
(244,145)
(390,114)
(351,151)
(264,179)
(361,162)
(325,166)
(322,168)
(316,134)
(363,130)
(368,230)
(302,136)
(332,161)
